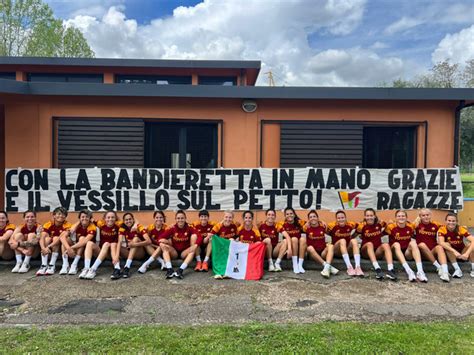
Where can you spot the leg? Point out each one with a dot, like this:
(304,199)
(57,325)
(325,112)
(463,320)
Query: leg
(294,258)
(269,253)
(302,251)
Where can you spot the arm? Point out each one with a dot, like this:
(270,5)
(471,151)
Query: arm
(143,243)
(74,227)
(465,255)
(6,236)
(42,242)
(289,252)
(82,243)
(447,246)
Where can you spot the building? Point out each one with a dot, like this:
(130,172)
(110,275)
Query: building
(69,112)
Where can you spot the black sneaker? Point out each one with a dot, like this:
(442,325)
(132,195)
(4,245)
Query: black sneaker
(379,274)
(126,273)
(169,273)
(179,273)
(117,274)
(391,275)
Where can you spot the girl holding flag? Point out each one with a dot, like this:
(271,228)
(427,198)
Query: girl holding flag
(274,248)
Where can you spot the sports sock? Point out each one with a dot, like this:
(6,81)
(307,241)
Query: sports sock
(357,260)
(87,263)
(27,260)
(456,266)
(444,267)
(44,259)
(206,259)
(96,264)
(129,263)
(76,260)
(168,265)
(198,257)
(294,260)
(390,267)
(117,266)
(419,267)
(19,258)
(407,268)
(54,257)
(347,261)
(376,265)
(160,260)
(149,261)
(65,260)
(183,266)
(436,265)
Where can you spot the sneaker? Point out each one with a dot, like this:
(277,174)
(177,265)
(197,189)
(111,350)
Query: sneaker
(472,273)
(117,274)
(179,273)
(278,268)
(72,270)
(351,271)
(420,275)
(17,267)
(42,270)
(218,277)
(83,273)
(334,271)
(25,267)
(198,266)
(379,274)
(205,266)
(391,275)
(126,272)
(50,270)
(444,277)
(142,269)
(359,272)
(457,274)
(169,273)
(326,273)
(271,267)
(439,271)
(90,274)
(64,270)
(411,276)
(301,270)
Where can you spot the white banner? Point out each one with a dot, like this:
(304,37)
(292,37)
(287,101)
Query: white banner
(231,189)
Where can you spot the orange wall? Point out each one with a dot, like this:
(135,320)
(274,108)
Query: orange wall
(28,143)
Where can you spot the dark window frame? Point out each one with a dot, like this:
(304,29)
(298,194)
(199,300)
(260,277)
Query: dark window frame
(185,79)
(217,80)
(8,75)
(68,77)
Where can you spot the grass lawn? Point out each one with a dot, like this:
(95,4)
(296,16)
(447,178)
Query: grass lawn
(468,188)
(343,337)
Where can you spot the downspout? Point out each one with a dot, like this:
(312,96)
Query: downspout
(457,126)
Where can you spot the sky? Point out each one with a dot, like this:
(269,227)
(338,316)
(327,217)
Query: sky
(302,42)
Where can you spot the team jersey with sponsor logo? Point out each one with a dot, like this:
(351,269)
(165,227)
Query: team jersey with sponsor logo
(316,236)
(426,233)
(108,234)
(372,233)
(226,232)
(292,229)
(345,232)
(180,237)
(8,227)
(456,240)
(248,236)
(129,234)
(82,231)
(402,235)
(55,231)
(271,232)
(156,234)
(25,230)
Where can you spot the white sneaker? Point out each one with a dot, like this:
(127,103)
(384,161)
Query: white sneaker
(271,267)
(72,270)
(17,267)
(420,275)
(444,276)
(50,270)
(302,271)
(411,276)
(42,270)
(64,270)
(90,274)
(334,271)
(472,273)
(277,268)
(83,273)
(296,269)
(326,273)
(142,269)
(457,274)
(440,272)
(25,267)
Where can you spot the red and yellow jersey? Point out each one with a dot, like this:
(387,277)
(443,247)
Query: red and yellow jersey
(55,231)
(108,234)
(226,232)
(156,234)
(338,232)
(8,227)
(129,234)
(316,236)
(426,233)
(82,231)
(271,232)
(25,230)
(290,228)
(248,236)
(372,233)
(180,237)
(402,235)
(204,230)
(456,240)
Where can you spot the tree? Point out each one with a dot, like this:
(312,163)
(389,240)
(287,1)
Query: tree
(29,28)
(446,75)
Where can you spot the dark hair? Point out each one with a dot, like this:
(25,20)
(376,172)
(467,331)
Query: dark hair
(86,212)
(339,212)
(161,213)
(452,214)
(250,212)
(313,211)
(61,210)
(296,220)
(128,214)
(203,213)
(376,219)
(107,212)
(6,215)
(29,211)
(270,210)
(180,212)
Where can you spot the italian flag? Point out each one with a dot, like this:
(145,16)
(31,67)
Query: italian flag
(237,260)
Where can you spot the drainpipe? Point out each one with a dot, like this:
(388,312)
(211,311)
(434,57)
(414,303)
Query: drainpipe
(457,125)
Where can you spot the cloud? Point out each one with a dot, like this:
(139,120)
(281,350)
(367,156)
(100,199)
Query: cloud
(457,47)
(405,23)
(249,29)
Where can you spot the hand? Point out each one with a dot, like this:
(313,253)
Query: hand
(115,261)
(463,256)
(71,252)
(13,244)
(457,254)
(45,251)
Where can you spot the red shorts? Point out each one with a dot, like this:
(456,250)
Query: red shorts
(318,245)
(403,243)
(458,247)
(430,243)
(376,242)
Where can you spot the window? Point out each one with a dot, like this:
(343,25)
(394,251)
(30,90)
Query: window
(9,76)
(180,145)
(153,79)
(65,78)
(389,147)
(218,80)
